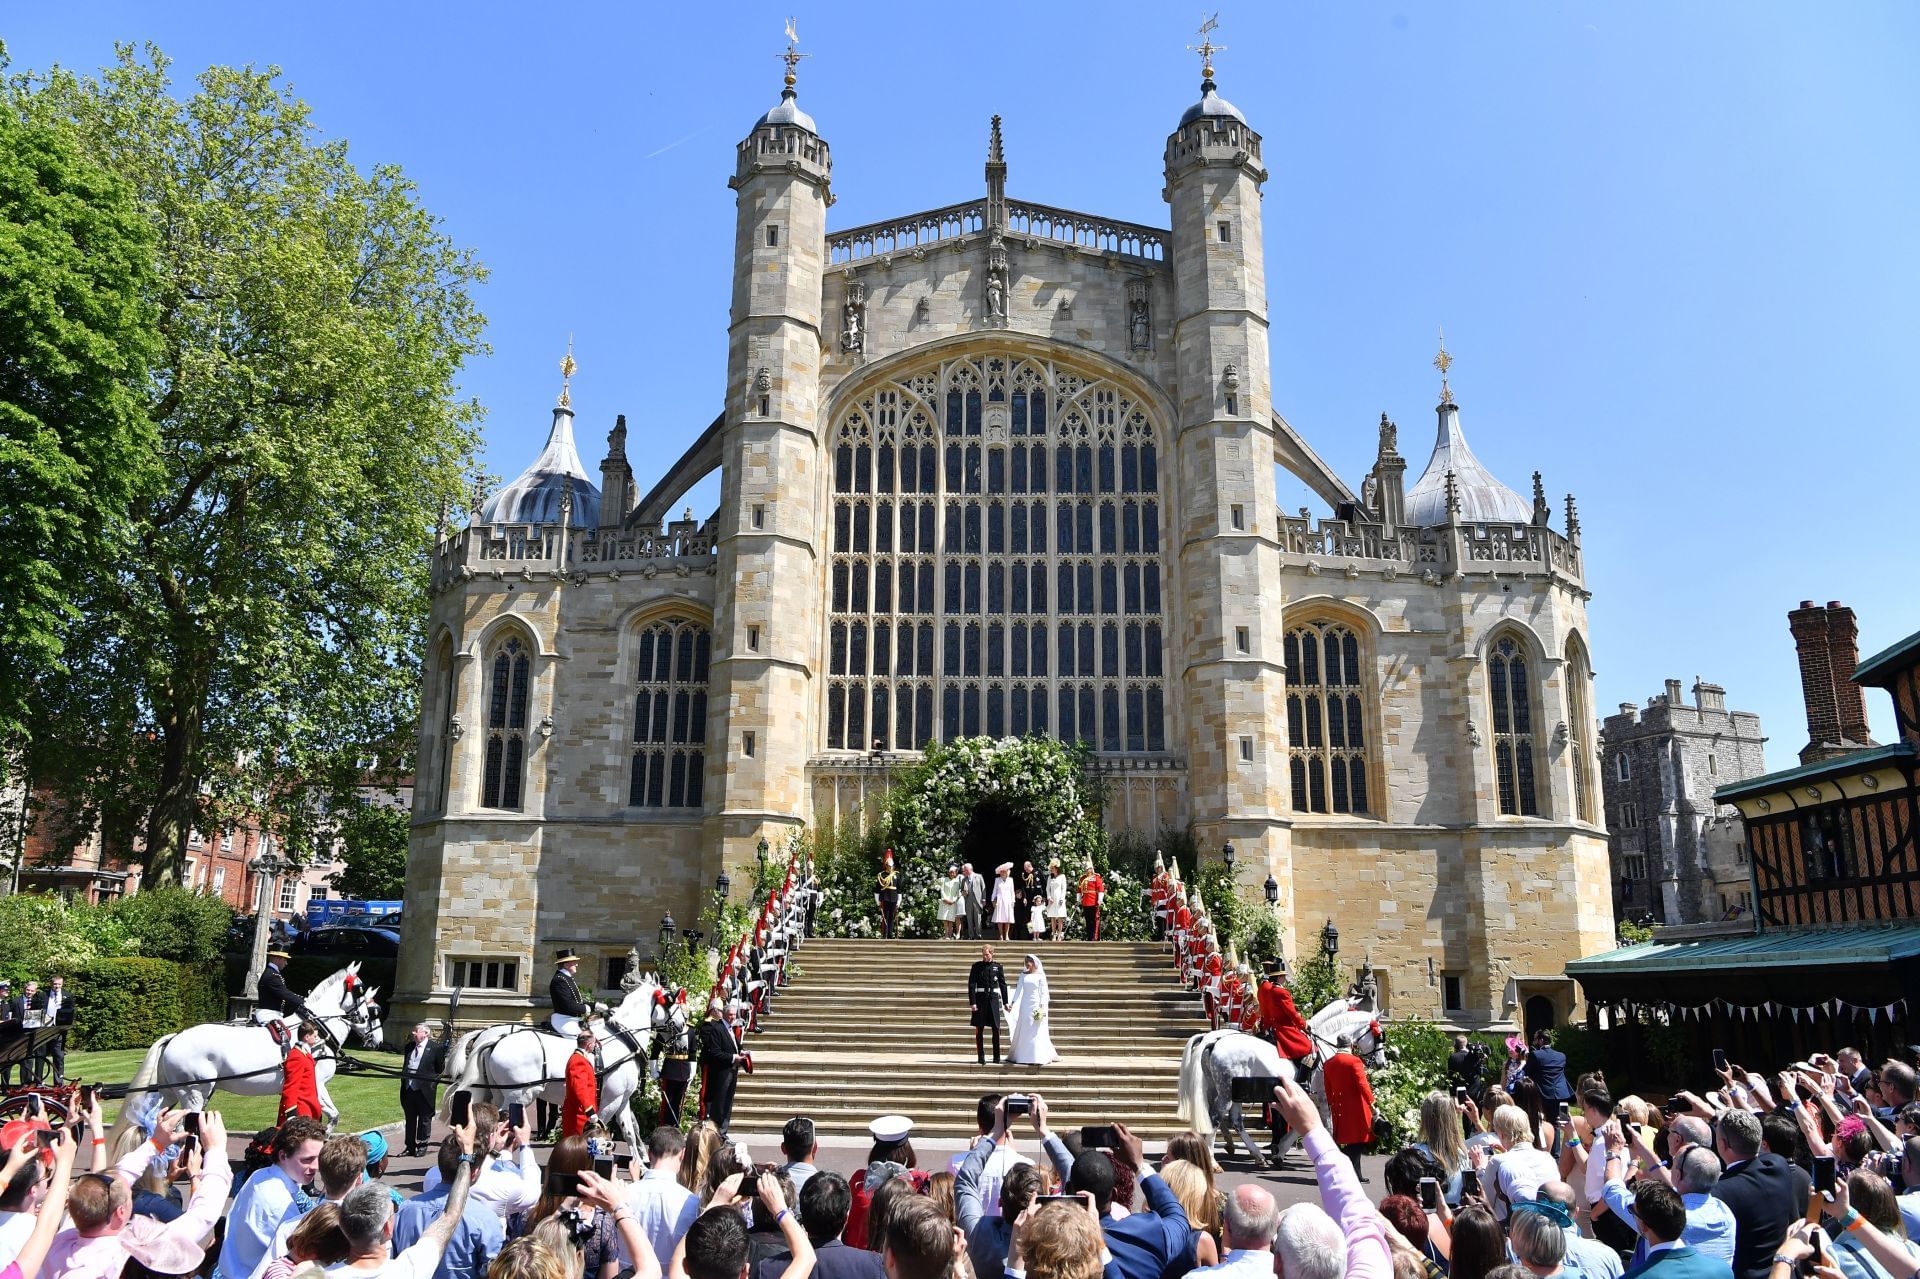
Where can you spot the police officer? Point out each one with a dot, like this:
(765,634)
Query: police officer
(570,1009)
(274,997)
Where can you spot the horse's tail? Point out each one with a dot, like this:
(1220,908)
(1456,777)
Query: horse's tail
(142,1080)
(1192,1109)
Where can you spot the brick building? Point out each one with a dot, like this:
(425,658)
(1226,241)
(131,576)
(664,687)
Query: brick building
(1831,951)
(1678,855)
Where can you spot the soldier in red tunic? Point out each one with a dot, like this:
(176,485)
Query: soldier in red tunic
(1249,1020)
(1210,969)
(299,1089)
(581,1106)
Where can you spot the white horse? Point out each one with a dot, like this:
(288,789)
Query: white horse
(1214,1059)
(519,1063)
(187,1067)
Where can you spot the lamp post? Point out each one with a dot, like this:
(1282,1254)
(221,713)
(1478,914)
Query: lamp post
(721,884)
(666,931)
(1273,892)
(1227,854)
(267,868)
(1330,941)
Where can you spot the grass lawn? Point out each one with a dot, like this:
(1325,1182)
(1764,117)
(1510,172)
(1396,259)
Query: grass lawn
(365,1100)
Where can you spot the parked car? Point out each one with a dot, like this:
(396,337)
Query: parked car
(348,942)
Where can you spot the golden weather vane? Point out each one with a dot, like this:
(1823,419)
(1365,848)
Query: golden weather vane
(1443,362)
(1207,48)
(793,55)
(567,369)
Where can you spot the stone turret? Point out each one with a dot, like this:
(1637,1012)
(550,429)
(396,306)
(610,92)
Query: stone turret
(766,628)
(1230,562)
(616,477)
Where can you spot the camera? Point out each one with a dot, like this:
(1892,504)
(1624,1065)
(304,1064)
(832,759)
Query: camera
(1018,1104)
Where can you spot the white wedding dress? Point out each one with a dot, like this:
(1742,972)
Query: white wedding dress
(1032,1027)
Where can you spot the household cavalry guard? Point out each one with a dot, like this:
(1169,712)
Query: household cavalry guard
(570,1009)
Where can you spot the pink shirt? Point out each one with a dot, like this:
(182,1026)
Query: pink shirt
(73,1256)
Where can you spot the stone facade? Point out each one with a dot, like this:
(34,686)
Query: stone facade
(1674,850)
(1025,458)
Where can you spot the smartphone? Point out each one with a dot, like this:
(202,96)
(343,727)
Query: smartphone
(1719,1059)
(562,1184)
(517,1114)
(1561,1114)
(1459,1095)
(1469,1182)
(1018,1104)
(603,1169)
(45,1137)
(1430,1194)
(1058,1199)
(86,1097)
(461,1111)
(190,1123)
(1099,1136)
(1254,1088)
(188,1143)
(1824,1174)
(36,1108)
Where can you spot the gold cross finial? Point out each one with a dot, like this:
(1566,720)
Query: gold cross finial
(1443,362)
(793,55)
(1207,48)
(567,370)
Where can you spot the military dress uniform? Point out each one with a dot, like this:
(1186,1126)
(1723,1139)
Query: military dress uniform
(987,995)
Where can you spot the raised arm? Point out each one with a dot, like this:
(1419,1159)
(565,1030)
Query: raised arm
(53,1209)
(432,1243)
(605,1195)
(1368,1256)
(210,1186)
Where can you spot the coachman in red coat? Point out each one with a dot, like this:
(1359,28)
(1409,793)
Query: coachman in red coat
(1350,1101)
(299,1089)
(1280,1019)
(582,1104)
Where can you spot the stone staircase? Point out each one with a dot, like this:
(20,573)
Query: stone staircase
(870,1028)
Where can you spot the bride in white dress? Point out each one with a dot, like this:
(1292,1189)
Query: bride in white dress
(1032,1033)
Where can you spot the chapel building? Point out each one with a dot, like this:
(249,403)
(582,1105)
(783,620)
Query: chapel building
(1003,468)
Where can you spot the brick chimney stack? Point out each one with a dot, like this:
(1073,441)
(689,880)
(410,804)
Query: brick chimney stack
(1843,640)
(1827,640)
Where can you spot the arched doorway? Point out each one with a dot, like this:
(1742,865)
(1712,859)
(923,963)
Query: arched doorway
(1539,1015)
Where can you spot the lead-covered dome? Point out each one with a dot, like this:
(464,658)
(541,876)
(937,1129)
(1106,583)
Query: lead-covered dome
(1211,104)
(1483,498)
(788,112)
(535,496)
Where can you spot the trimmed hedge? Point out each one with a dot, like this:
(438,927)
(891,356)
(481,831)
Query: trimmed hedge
(129,1003)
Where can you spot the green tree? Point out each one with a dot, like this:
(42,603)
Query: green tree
(77,335)
(262,635)
(373,853)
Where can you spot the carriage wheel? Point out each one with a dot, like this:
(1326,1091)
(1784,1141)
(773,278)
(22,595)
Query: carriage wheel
(19,1101)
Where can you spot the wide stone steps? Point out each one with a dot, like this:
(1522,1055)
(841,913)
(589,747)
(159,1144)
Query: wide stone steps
(877,1027)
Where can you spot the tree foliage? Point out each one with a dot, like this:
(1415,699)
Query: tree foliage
(373,853)
(78,332)
(261,637)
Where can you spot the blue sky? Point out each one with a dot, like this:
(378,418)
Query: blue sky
(1673,246)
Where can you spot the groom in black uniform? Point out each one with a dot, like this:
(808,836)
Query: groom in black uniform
(984,979)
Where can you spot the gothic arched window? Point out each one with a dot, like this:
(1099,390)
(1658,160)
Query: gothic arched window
(1510,686)
(1326,721)
(670,715)
(1022,594)
(1579,681)
(502,781)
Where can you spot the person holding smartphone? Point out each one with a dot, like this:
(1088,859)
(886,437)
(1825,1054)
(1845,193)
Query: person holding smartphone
(990,1237)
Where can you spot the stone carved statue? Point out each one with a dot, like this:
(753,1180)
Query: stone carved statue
(853,336)
(996,296)
(996,278)
(1139,317)
(1389,436)
(1366,987)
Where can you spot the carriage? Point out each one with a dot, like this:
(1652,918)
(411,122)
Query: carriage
(20,1047)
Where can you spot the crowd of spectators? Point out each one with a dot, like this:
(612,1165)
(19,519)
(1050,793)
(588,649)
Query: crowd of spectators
(1810,1173)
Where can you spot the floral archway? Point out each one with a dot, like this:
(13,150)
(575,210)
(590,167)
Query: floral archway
(980,799)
